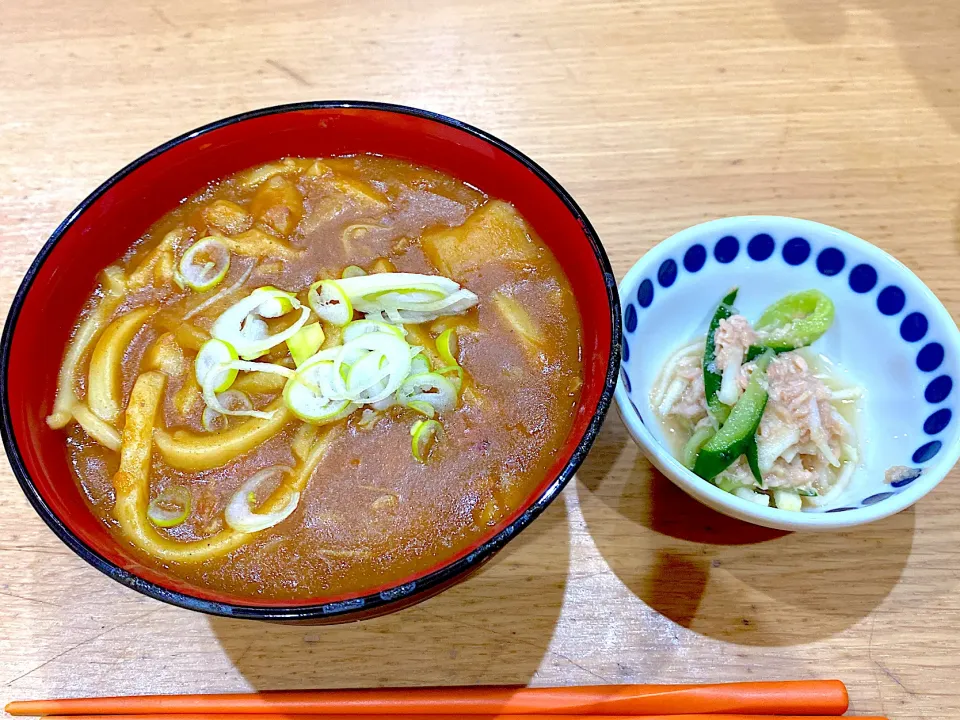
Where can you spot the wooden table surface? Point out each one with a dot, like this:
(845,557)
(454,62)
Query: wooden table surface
(655,115)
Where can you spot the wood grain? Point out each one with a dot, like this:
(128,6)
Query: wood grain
(655,115)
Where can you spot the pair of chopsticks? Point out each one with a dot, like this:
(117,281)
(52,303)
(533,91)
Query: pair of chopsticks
(734,701)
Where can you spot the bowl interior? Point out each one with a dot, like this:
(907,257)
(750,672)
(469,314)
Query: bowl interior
(104,226)
(890,335)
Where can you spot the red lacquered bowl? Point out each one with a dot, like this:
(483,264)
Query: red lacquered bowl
(104,226)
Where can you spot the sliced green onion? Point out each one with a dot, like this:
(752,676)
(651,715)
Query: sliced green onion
(407,297)
(204,265)
(242,324)
(222,292)
(361,327)
(239,513)
(305,396)
(366,373)
(212,399)
(447,347)
(379,283)
(211,420)
(455,370)
(278,302)
(431,388)
(247,366)
(353,271)
(404,296)
(419,365)
(424,408)
(305,343)
(214,353)
(396,368)
(171,507)
(425,433)
(330,302)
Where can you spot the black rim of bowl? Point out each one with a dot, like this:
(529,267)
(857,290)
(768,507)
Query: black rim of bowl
(368,603)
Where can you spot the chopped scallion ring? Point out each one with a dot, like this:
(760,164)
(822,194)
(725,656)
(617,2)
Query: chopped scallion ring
(406,297)
(330,302)
(361,327)
(431,388)
(353,271)
(266,367)
(393,368)
(454,370)
(212,421)
(419,365)
(366,373)
(309,394)
(447,347)
(278,302)
(215,353)
(425,434)
(239,513)
(212,399)
(171,507)
(242,324)
(204,265)
(421,407)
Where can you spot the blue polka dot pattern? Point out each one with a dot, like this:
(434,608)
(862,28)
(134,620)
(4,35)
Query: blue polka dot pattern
(909,478)
(863,278)
(830,262)
(630,318)
(796,251)
(874,499)
(927,452)
(938,389)
(914,327)
(694,258)
(930,357)
(667,274)
(726,249)
(891,300)
(760,247)
(937,422)
(645,293)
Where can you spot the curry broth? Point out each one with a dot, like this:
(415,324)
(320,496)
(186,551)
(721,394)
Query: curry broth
(371,514)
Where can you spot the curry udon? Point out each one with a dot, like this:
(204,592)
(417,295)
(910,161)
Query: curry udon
(319,376)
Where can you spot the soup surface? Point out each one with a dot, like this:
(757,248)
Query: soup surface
(349,499)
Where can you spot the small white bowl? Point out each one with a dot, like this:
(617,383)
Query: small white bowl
(890,334)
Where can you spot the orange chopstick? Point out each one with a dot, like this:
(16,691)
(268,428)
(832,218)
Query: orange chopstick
(798,697)
(216,716)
